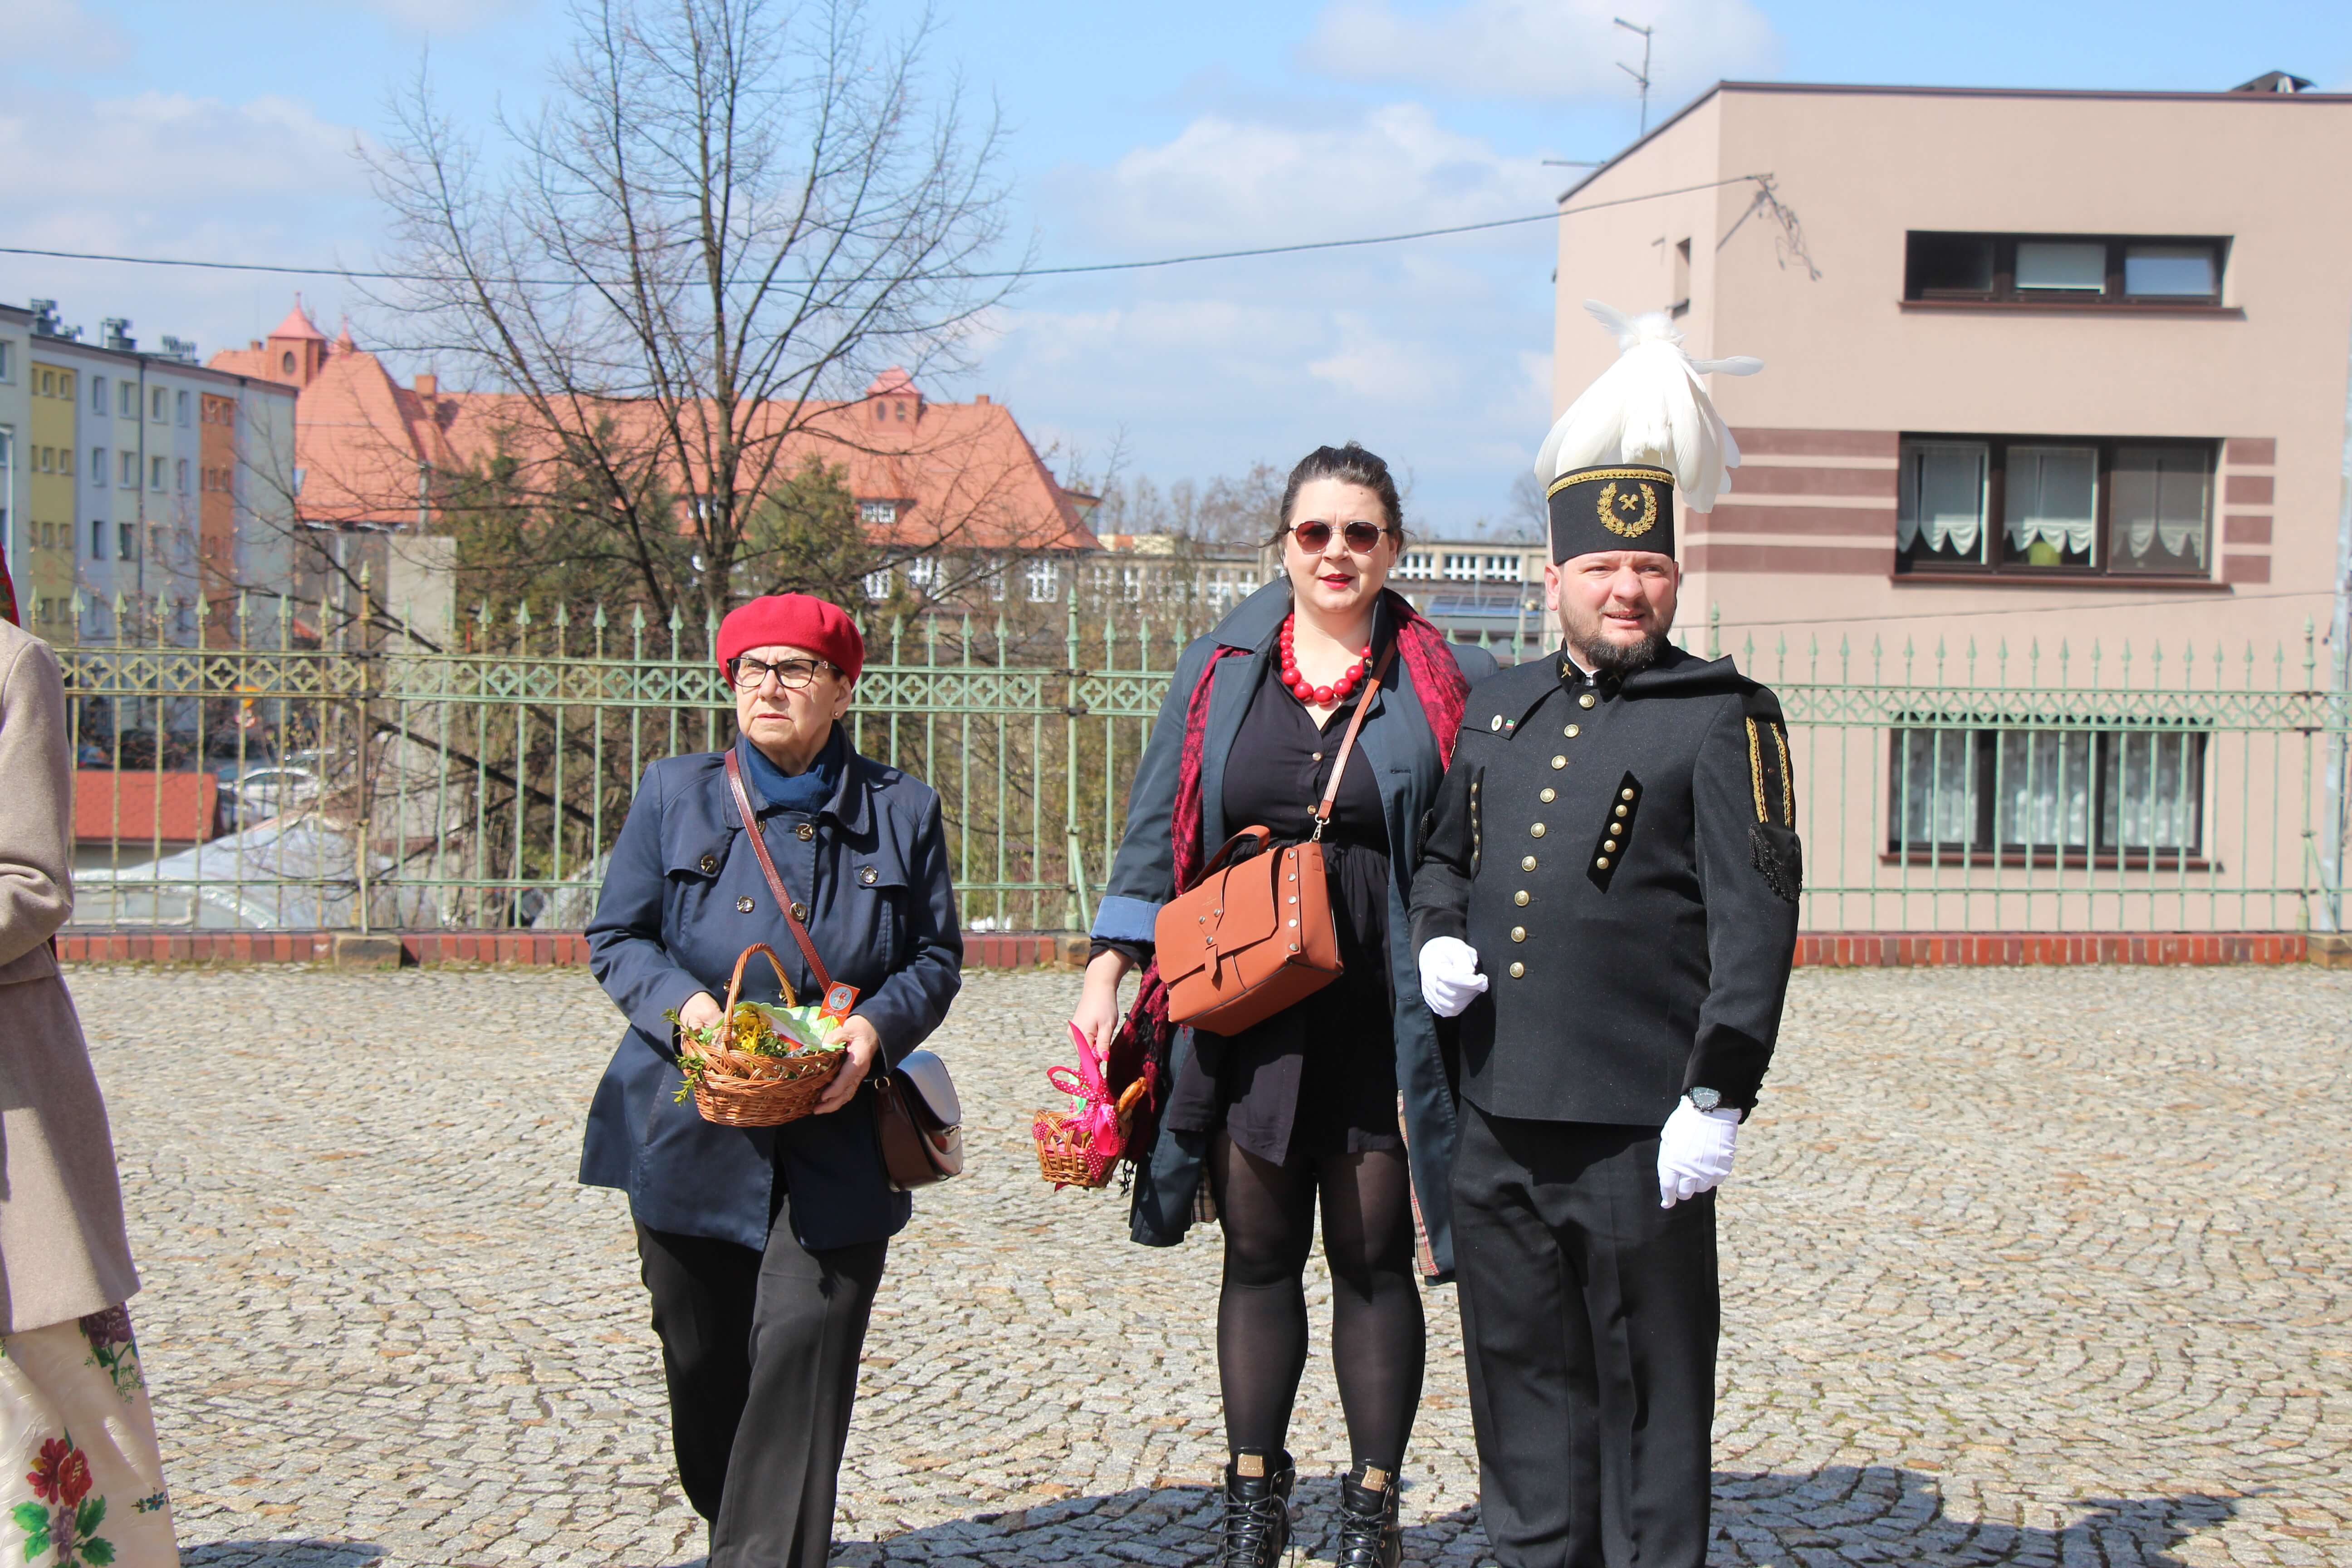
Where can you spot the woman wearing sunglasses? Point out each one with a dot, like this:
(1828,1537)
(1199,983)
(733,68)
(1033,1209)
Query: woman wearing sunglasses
(1306,1104)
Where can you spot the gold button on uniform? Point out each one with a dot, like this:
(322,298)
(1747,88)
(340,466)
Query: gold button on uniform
(800,911)
(1602,864)
(1624,795)
(1548,797)
(1611,847)
(744,906)
(1527,862)
(1520,898)
(1587,700)
(1620,811)
(1560,761)
(1518,933)
(805,832)
(869,876)
(1573,731)
(709,864)
(1518,969)
(1536,831)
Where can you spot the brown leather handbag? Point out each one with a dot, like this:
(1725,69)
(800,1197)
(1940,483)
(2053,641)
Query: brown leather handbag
(1256,934)
(918,1117)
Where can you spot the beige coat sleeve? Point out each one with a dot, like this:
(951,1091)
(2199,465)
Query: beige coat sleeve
(36,807)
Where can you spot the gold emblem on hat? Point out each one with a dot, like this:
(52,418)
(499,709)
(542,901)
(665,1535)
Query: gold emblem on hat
(1617,508)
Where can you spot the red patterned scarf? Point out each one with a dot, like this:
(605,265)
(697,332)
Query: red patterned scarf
(1142,1045)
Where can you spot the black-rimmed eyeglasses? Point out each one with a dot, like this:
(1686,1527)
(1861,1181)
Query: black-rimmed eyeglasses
(1315,537)
(792,674)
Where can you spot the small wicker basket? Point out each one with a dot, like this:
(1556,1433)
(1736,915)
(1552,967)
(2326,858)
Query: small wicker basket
(737,1088)
(1068,1157)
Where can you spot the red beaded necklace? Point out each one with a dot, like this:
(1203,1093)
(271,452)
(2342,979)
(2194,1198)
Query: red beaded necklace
(1306,691)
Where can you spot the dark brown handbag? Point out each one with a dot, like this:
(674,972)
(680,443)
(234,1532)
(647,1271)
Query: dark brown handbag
(1256,934)
(915,1121)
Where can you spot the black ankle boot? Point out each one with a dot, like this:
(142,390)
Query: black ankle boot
(1367,1520)
(1256,1525)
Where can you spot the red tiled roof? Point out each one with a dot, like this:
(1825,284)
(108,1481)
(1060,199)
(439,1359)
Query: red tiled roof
(108,805)
(963,475)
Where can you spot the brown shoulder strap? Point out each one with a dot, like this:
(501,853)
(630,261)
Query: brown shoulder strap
(775,882)
(1347,743)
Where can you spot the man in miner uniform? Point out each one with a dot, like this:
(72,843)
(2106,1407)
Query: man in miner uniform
(1608,900)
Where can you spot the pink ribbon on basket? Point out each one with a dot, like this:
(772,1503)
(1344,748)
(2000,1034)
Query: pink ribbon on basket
(1091,1129)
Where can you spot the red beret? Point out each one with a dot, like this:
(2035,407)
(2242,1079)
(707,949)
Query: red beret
(794,620)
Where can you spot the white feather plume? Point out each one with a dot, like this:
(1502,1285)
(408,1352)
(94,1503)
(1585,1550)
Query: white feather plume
(1649,407)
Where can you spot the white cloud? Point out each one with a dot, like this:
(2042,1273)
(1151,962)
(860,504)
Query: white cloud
(1386,368)
(1542,49)
(169,175)
(1226,182)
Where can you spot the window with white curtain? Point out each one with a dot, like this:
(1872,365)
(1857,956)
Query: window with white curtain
(1940,499)
(1044,577)
(2096,505)
(877,584)
(2159,502)
(2051,512)
(2133,795)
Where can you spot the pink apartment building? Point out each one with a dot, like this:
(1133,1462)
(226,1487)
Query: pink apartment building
(2041,368)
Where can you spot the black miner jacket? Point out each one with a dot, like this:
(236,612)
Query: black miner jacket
(1624,856)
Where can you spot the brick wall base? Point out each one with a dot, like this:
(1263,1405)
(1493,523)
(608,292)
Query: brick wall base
(1880,950)
(1032,949)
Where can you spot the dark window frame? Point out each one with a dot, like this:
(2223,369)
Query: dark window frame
(2111,295)
(2097,854)
(1997,547)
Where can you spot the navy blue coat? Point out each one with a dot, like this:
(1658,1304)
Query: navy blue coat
(872,867)
(1396,740)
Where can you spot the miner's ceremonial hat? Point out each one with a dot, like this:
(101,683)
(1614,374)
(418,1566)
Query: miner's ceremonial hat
(1644,430)
(1611,506)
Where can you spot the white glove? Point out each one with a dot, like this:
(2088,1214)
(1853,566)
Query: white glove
(1693,1151)
(1449,974)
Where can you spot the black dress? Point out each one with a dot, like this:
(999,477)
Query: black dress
(1318,1078)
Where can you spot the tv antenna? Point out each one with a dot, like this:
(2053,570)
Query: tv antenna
(1641,76)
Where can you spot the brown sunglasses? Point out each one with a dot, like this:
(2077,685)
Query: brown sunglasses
(1315,537)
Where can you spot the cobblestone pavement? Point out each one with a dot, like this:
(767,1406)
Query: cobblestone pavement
(2030,1266)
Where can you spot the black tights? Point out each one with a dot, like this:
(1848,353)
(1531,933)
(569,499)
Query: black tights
(1377,1345)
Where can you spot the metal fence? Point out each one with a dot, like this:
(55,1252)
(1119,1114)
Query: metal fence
(366,784)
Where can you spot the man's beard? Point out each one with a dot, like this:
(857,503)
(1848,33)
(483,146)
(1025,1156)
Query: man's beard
(1606,658)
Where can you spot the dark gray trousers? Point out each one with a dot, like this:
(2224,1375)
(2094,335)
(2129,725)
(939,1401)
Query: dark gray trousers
(1590,1316)
(760,1352)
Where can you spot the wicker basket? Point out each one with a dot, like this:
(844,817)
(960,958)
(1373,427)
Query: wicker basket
(1064,1155)
(740,1089)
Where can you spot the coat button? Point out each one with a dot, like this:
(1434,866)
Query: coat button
(709,864)
(1624,795)
(800,911)
(1602,864)
(805,832)
(1560,761)
(1518,933)
(866,875)
(1573,731)
(1518,970)
(1548,797)
(1609,847)
(1536,831)
(1587,700)
(1620,811)
(744,906)
(1520,898)
(1527,862)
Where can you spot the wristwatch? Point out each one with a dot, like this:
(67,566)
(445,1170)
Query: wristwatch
(1704,1099)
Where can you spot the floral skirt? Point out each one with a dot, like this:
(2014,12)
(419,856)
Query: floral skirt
(81,1482)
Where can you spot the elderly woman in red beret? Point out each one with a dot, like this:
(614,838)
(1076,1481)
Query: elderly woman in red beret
(762,1247)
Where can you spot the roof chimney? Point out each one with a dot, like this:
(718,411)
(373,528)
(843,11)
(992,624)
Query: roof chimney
(428,385)
(980,397)
(2274,81)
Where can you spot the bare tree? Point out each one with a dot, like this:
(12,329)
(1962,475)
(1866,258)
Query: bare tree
(728,217)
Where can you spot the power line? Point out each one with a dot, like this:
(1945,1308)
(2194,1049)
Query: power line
(374,277)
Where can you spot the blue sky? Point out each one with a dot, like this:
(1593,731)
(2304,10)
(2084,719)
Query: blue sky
(225,131)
